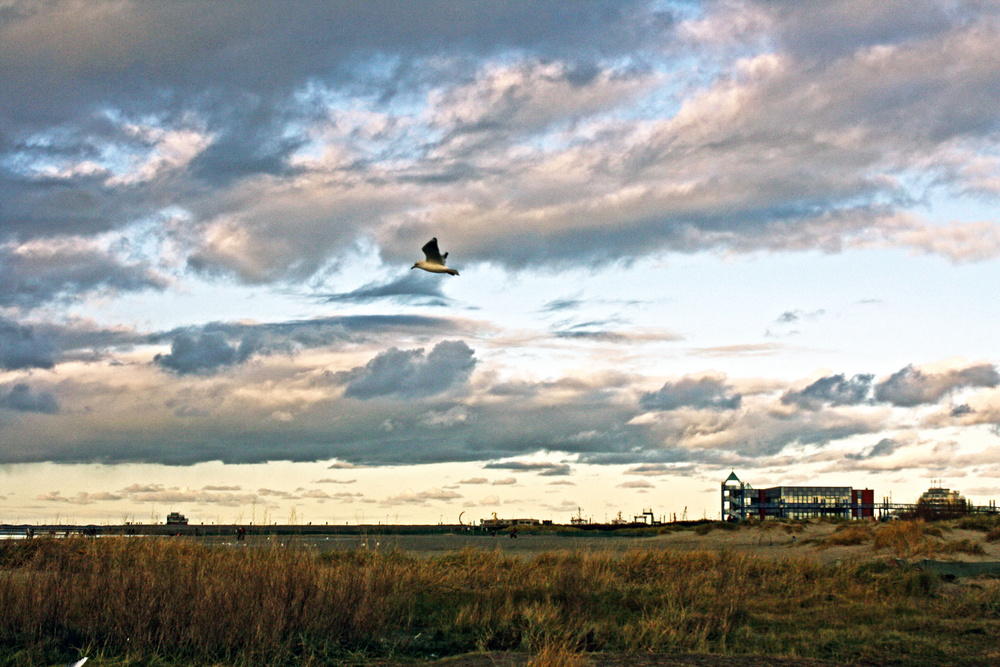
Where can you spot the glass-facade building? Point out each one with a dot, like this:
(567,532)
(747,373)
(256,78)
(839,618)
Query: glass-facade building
(802,502)
(741,501)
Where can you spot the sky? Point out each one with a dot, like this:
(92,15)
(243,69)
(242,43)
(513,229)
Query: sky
(692,238)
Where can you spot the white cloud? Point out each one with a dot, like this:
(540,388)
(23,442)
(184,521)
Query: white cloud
(420,497)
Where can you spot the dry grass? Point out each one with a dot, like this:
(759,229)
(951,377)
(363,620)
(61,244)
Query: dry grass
(902,538)
(557,654)
(175,602)
(849,535)
(961,546)
(910,538)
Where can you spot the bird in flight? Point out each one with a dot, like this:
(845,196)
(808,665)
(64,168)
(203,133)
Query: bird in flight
(435,260)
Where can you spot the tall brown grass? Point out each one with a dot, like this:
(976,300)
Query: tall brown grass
(850,534)
(901,538)
(140,601)
(908,538)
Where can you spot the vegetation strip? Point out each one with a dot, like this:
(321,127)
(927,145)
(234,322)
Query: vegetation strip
(130,601)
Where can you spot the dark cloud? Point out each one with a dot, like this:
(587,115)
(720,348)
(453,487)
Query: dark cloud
(44,344)
(204,353)
(250,146)
(910,386)
(32,276)
(557,305)
(543,469)
(410,287)
(832,390)
(21,346)
(75,53)
(244,340)
(74,205)
(410,373)
(521,389)
(907,387)
(605,336)
(963,409)
(705,393)
(829,30)
(23,398)
(656,469)
(883,447)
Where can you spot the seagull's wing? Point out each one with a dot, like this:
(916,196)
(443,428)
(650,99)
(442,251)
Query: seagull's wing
(78,663)
(432,253)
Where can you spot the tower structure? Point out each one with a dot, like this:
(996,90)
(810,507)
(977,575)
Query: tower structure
(735,498)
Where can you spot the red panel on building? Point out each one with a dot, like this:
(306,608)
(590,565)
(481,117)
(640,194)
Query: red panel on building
(863,503)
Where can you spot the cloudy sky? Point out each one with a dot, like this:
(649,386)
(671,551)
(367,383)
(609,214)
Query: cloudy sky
(693,237)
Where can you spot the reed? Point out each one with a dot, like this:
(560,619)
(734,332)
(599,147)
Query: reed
(177,602)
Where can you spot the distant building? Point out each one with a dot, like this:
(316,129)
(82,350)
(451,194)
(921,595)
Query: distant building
(499,524)
(941,503)
(740,501)
(176,519)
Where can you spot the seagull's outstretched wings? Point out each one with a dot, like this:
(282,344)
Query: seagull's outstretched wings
(432,253)
(435,260)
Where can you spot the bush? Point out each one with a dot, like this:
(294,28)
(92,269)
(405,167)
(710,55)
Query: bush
(963,546)
(981,522)
(849,535)
(904,538)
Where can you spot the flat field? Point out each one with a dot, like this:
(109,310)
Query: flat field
(800,594)
(824,542)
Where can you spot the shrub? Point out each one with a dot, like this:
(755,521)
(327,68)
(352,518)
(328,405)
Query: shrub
(904,538)
(849,535)
(964,546)
(981,522)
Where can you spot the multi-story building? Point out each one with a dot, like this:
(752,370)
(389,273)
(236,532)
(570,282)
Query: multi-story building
(939,502)
(741,501)
(176,519)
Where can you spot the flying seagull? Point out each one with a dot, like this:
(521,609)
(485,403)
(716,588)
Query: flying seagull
(435,260)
